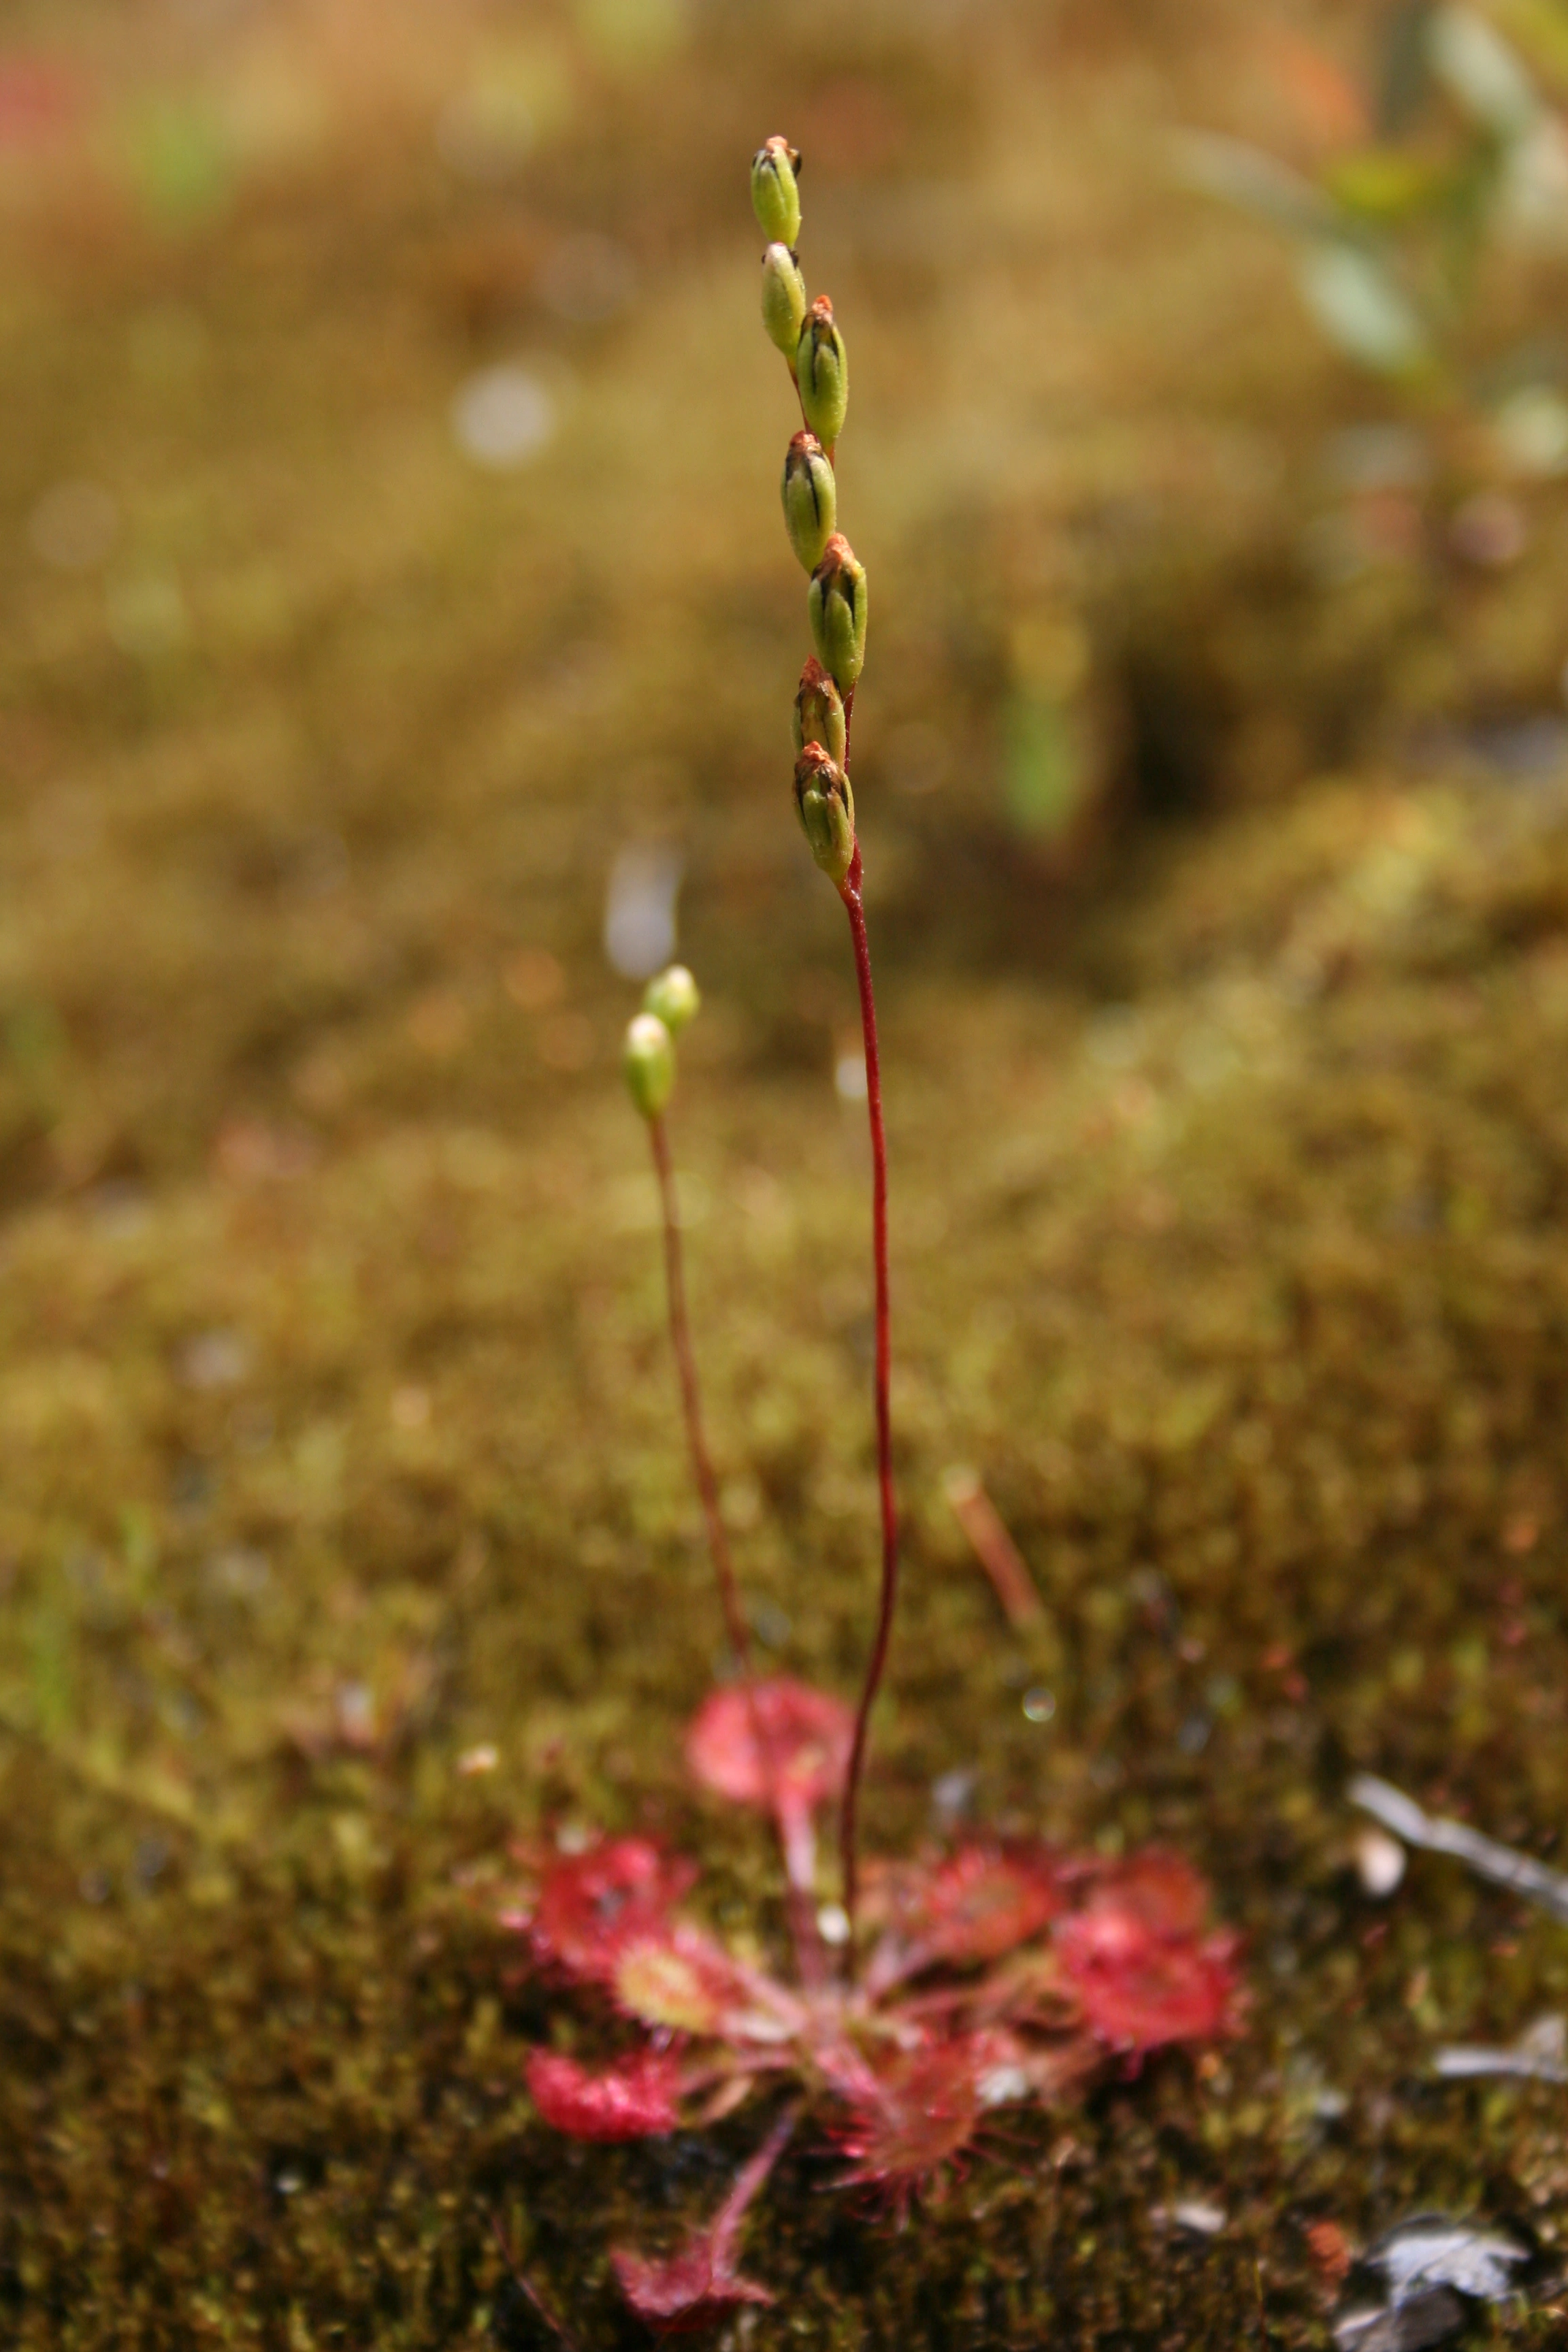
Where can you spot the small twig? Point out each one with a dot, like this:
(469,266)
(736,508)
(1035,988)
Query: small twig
(1540,2055)
(1519,1873)
(526,2287)
(993,1548)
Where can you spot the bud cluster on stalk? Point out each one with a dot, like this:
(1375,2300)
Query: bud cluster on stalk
(669,1003)
(808,334)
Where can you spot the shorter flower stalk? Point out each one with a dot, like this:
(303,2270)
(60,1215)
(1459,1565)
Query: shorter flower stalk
(671,1002)
(648,1063)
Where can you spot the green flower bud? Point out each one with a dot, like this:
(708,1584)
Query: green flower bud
(810,499)
(836,602)
(647,1064)
(827,810)
(822,373)
(784,298)
(820,713)
(775,197)
(671,997)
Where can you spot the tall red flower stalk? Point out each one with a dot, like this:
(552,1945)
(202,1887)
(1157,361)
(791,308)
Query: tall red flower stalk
(814,348)
(888,1597)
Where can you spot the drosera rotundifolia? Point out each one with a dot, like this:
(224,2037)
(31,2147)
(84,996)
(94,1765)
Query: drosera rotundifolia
(922,1994)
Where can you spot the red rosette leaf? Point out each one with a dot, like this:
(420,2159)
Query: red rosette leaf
(916,2111)
(1142,1971)
(591,1905)
(974,1907)
(635,2098)
(1162,1888)
(779,1745)
(681,1981)
(693,2289)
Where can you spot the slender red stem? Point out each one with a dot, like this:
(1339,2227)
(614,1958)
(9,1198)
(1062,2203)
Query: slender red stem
(692,1402)
(849,891)
(802,1910)
(749,2180)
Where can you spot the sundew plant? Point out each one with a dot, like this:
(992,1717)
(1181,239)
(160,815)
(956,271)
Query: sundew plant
(918,1994)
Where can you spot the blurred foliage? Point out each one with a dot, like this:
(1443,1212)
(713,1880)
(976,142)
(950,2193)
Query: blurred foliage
(1453,150)
(1428,216)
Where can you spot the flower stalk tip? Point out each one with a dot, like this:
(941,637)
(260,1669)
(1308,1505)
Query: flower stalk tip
(825,806)
(822,373)
(647,1065)
(775,190)
(671,996)
(810,499)
(836,604)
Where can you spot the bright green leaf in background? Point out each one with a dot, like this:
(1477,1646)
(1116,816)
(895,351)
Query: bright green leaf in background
(1252,179)
(1480,72)
(1361,309)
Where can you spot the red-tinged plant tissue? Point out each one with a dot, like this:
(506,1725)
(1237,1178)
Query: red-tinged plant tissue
(700,2285)
(590,1906)
(693,2289)
(970,1907)
(681,1981)
(998,1975)
(1139,1965)
(633,2099)
(919,2110)
(968,1981)
(776,1744)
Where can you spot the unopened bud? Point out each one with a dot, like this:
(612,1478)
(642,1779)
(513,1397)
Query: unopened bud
(784,298)
(820,713)
(836,603)
(647,1064)
(810,499)
(671,996)
(775,197)
(822,373)
(827,808)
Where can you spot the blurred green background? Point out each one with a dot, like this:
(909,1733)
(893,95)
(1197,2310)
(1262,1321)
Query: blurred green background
(398,650)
